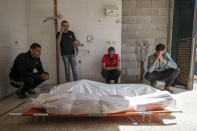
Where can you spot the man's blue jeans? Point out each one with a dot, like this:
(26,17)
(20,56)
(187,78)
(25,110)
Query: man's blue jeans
(70,60)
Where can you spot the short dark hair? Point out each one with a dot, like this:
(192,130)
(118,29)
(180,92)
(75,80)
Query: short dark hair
(35,45)
(111,49)
(64,21)
(160,47)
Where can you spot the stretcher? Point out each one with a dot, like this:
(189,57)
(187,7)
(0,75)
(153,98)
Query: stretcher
(41,113)
(101,100)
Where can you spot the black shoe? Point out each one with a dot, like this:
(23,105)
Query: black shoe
(108,81)
(115,81)
(31,92)
(21,95)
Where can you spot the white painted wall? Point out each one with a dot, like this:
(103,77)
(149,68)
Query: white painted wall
(22,21)
(12,28)
(87,17)
(83,16)
(42,33)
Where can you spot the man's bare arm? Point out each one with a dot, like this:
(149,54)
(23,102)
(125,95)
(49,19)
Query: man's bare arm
(156,60)
(107,68)
(59,38)
(76,46)
(118,66)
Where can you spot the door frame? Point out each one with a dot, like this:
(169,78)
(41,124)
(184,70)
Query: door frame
(193,50)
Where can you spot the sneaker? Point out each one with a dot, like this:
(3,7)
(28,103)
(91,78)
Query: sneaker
(31,92)
(169,90)
(107,81)
(115,81)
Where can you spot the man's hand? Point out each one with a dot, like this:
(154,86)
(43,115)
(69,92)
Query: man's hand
(76,47)
(62,29)
(45,76)
(117,68)
(163,60)
(158,57)
(60,35)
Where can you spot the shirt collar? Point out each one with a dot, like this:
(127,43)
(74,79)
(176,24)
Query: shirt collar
(109,56)
(29,55)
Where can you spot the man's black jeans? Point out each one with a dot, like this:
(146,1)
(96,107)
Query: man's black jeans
(169,75)
(28,82)
(111,75)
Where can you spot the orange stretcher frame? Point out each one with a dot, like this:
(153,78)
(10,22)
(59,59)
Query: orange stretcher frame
(42,112)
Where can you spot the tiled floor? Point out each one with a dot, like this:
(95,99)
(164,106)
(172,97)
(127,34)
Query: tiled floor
(186,121)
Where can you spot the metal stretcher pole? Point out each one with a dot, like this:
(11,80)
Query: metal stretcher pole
(114,114)
(2,114)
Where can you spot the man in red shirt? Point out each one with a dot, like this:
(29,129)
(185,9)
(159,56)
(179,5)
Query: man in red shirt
(111,66)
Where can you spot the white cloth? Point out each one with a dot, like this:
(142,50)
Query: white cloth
(90,97)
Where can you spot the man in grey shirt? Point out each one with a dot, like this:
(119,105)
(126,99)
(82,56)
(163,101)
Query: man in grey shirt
(161,67)
(68,43)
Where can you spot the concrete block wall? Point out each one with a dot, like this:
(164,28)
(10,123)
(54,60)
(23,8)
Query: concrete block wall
(141,20)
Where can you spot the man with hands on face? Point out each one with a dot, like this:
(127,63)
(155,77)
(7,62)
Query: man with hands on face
(111,66)
(161,67)
(27,71)
(68,44)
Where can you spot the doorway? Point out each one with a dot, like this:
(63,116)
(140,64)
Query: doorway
(184,40)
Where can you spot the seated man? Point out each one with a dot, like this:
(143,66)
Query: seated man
(23,73)
(161,67)
(111,66)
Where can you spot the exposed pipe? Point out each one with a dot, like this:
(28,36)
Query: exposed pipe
(170,25)
(57,47)
(193,50)
(52,18)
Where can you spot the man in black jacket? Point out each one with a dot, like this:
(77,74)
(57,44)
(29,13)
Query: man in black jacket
(27,71)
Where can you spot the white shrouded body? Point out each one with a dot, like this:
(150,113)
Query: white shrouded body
(90,97)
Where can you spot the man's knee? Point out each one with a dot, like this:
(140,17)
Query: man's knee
(104,73)
(32,83)
(28,81)
(176,72)
(150,76)
(116,74)
(17,84)
(147,76)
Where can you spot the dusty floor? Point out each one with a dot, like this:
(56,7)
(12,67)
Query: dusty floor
(186,121)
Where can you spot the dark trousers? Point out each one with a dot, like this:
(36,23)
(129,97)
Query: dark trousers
(111,75)
(28,82)
(169,75)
